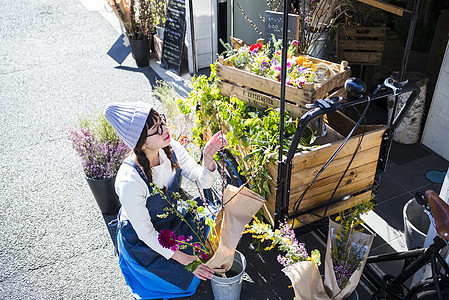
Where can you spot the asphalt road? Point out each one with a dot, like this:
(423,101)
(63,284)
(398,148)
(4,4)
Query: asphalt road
(53,240)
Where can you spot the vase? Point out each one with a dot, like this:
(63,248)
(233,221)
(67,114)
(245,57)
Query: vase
(141,51)
(320,47)
(229,288)
(104,193)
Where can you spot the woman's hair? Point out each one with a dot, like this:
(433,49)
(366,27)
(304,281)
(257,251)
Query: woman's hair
(141,157)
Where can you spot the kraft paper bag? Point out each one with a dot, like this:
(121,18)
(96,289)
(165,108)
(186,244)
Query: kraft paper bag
(330,281)
(239,207)
(306,281)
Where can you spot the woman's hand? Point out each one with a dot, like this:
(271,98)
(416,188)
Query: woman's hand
(203,272)
(217,141)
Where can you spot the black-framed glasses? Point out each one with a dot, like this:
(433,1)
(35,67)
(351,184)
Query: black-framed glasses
(159,128)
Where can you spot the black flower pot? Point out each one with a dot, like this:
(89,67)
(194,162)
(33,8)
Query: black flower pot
(104,194)
(141,51)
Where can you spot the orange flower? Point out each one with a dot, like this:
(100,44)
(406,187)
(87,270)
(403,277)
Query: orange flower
(300,60)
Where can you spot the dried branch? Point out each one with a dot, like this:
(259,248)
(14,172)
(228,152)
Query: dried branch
(250,21)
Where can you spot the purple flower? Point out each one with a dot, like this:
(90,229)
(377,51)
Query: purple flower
(301,69)
(101,153)
(167,239)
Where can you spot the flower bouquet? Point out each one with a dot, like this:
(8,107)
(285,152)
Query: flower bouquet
(346,252)
(301,269)
(215,234)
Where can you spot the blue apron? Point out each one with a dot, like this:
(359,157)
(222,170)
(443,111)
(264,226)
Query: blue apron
(148,274)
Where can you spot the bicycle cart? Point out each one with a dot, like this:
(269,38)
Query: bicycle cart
(342,170)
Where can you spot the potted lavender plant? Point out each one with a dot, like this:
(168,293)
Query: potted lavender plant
(101,152)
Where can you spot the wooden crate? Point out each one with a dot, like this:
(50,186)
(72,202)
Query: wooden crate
(361,45)
(358,178)
(263,92)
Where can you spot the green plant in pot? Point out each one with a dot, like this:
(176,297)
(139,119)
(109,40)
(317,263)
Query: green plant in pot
(101,152)
(139,19)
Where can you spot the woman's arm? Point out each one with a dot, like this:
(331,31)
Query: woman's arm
(203,175)
(132,192)
(191,169)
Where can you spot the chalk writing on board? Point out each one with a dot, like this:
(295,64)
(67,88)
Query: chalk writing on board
(274,25)
(175,27)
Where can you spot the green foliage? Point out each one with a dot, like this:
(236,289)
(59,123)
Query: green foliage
(248,127)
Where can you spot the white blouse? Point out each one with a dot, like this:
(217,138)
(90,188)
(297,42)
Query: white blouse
(133,191)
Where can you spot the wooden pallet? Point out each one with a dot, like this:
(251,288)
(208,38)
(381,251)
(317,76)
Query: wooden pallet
(361,45)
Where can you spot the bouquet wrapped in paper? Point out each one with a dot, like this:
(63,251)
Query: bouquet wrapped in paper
(346,252)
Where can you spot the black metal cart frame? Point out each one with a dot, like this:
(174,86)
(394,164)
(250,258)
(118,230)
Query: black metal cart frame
(284,166)
(327,106)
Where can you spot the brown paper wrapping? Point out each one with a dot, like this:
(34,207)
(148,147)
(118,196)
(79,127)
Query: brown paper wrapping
(238,211)
(306,281)
(330,281)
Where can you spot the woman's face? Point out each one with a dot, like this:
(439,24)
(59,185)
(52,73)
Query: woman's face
(158,136)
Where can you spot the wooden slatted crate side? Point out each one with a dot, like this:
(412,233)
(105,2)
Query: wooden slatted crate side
(304,176)
(356,180)
(263,84)
(342,123)
(350,45)
(333,209)
(316,197)
(308,94)
(364,58)
(256,99)
(359,177)
(362,33)
(306,164)
(361,45)
(320,155)
(353,174)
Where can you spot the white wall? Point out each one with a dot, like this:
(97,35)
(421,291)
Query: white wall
(205,22)
(436,130)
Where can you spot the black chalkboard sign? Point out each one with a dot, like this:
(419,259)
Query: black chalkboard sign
(274,23)
(175,29)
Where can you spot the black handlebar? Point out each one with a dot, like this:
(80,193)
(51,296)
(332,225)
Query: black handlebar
(333,104)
